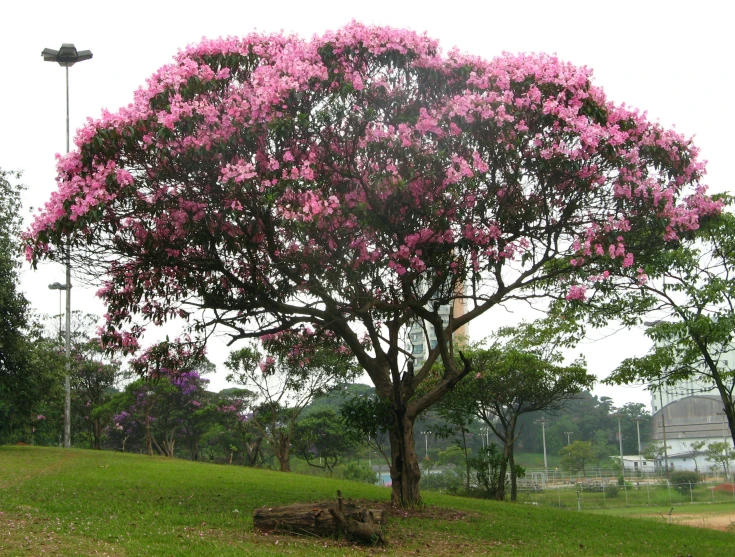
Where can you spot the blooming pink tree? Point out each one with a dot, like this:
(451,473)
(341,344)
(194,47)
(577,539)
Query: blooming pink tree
(354,182)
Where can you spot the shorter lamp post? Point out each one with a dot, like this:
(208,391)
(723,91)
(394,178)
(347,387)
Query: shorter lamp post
(58,286)
(426,444)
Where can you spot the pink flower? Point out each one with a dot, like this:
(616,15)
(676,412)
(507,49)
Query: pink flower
(577,292)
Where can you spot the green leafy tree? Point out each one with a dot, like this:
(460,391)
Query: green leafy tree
(13,305)
(490,470)
(299,367)
(350,180)
(656,451)
(94,376)
(29,361)
(691,293)
(696,449)
(576,456)
(322,440)
(368,418)
(524,374)
(453,408)
(226,421)
(603,449)
(721,454)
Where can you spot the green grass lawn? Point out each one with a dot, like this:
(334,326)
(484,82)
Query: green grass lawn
(75,502)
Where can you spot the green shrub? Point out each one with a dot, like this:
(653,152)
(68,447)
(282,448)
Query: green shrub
(447,481)
(611,490)
(684,480)
(357,473)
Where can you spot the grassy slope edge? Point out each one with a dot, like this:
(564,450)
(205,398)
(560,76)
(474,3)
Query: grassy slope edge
(77,502)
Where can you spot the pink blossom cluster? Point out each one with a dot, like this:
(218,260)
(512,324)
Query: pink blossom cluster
(252,171)
(173,359)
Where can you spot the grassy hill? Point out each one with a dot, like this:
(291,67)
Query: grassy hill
(75,502)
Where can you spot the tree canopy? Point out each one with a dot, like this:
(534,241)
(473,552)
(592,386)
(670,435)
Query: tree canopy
(13,305)
(690,301)
(356,181)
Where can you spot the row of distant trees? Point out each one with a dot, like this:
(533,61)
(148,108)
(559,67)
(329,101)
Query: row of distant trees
(284,409)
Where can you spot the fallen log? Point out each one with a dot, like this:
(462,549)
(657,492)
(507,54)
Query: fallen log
(363,530)
(312,518)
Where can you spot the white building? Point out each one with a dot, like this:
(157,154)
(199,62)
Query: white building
(666,394)
(688,419)
(422,337)
(635,463)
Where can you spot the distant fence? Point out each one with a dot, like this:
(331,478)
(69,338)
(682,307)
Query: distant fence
(537,475)
(598,494)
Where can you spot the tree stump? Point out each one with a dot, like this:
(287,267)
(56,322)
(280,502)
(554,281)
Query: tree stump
(317,519)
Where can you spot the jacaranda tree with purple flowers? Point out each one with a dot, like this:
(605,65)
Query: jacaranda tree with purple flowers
(161,410)
(354,182)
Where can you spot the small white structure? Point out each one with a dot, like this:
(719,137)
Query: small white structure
(637,463)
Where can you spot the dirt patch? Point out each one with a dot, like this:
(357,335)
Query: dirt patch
(725,488)
(26,534)
(723,522)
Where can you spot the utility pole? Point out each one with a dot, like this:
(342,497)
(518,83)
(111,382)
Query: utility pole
(640,459)
(543,422)
(569,451)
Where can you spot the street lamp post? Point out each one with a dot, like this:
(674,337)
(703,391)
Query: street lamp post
(426,444)
(66,57)
(58,286)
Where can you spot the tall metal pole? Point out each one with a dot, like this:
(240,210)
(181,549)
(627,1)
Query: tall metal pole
(66,57)
(67,341)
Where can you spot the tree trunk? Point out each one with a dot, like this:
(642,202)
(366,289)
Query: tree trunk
(513,477)
(155,444)
(148,437)
(282,449)
(404,468)
(502,471)
(466,461)
(97,434)
(253,450)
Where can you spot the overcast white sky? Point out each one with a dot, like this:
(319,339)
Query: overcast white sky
(673,59)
